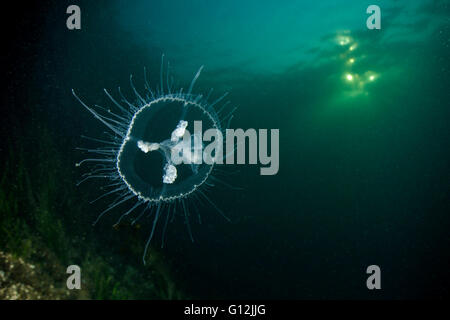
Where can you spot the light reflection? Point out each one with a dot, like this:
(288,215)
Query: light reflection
(343,40)
(358,81)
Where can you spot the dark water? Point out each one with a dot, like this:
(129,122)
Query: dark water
(364,163)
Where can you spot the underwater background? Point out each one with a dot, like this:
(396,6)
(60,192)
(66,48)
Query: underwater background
(364,149)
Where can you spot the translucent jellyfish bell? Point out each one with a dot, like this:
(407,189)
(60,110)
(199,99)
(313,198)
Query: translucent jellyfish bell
(157,132)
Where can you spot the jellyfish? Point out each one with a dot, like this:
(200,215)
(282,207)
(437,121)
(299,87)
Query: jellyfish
(137,155)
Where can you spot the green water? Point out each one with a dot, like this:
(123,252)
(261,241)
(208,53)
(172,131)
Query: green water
(363,119)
